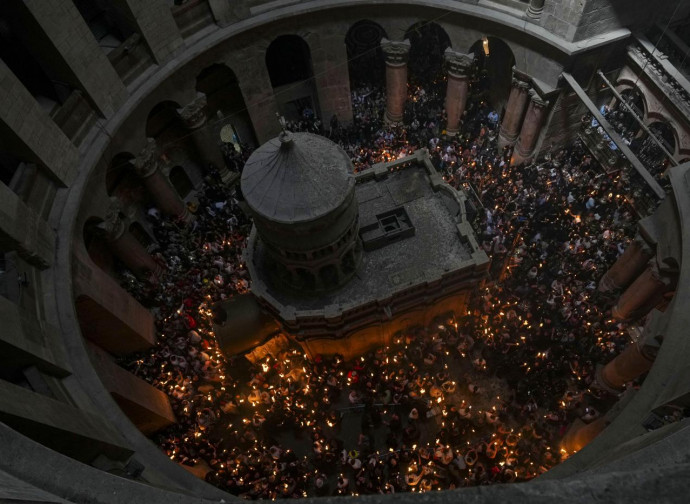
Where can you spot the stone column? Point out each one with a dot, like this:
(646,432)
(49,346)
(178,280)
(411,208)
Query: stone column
(628,266)
(194,117)
(581,434)
(147,165)
(535,9)
(531,127)
(644,293)
(396,54)
(510,125)
(126,247)
(459,66)
(628,365)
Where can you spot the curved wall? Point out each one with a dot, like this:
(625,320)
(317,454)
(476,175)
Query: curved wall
(240,44)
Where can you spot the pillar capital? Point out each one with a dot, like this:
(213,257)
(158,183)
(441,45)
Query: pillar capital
(520,84)
(537,101)
(458,64)
(113,224)
(148,161)
(395,53)
(194,113)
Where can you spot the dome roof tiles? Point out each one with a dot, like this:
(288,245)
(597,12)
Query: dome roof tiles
(297,177)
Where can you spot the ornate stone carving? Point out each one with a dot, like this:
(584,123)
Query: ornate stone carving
(114,224)
(537,100)
(194,113)
(664,80)
(517,83)
(458,64)
(396,53)
(148,161)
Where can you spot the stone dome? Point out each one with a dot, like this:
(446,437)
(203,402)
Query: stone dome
(297,177)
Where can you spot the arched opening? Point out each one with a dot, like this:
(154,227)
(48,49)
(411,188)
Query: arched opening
(96,245)
(121,181)
(288,61)
(622,119)
(138,231)
(365,61)
(428,41)
(163,124)
(495,71)
(224,99)
(180,181)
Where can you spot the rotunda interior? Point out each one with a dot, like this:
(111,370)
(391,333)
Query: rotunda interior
(319,248)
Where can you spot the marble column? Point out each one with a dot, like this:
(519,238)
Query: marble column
(642,295)
(628,266)
(126,247)
(396,54)
(531,128)
(517,101)
(535,9)
(194,117)
(147,166)
(459,67)
(581,434)
(628,365)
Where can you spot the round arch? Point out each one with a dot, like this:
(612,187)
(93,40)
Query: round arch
(224,99)
(120,179)
(161,119)
(96,245)
(495,61)
(428,41)
(289,65)
(365,60)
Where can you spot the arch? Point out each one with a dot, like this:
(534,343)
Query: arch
(623,85)
(495,70)
(365,60)
(181,181)
(96,245)
(288,60)
(120,180)
(224,98)
(428,41)
(289,65)
(161,117)
(622,118)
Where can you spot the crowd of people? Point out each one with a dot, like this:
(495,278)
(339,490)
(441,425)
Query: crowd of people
(483,396)
(645,148)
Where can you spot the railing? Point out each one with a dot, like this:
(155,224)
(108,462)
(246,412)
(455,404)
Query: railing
(640,195)
(662,72)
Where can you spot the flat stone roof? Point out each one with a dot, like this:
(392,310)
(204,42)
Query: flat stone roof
(437,247)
